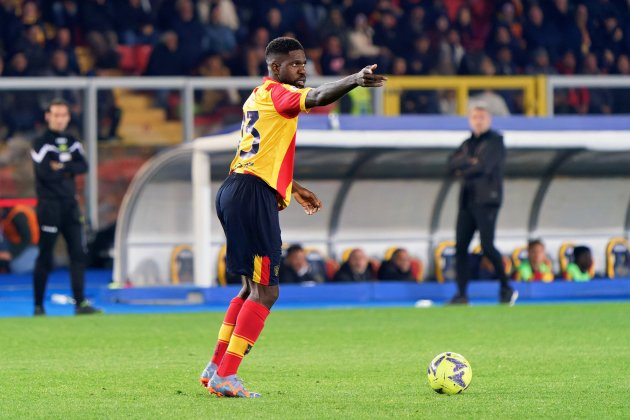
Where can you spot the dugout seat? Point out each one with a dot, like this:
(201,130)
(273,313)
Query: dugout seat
(444,259)
(618,258)
(565,257)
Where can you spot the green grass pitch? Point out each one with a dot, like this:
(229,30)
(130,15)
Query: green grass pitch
(531,361)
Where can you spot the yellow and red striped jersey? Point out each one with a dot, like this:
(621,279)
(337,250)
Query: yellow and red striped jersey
(267,146)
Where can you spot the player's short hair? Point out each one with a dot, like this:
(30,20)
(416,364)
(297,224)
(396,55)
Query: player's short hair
(57,102)
(535,242)
(282,46)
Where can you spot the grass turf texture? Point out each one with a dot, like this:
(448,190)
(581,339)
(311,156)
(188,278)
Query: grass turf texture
(528,361)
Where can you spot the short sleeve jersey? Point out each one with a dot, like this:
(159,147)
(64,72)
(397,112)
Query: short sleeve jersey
(267,145)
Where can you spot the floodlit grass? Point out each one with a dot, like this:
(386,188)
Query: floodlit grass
(528,362)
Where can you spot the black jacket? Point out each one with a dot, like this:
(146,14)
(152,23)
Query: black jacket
(482,182)
(57,147)
(345,274)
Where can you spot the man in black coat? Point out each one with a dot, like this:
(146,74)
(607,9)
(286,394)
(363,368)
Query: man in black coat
(479,163)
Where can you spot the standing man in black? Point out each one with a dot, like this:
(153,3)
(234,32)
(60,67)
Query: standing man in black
(479,162)
(58,158)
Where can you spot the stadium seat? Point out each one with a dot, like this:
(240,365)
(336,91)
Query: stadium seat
(142,54)
(127,61)
(618,258)
(222,266)
(182,265)
(444,258)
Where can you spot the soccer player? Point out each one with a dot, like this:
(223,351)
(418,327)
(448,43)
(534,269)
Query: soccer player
(260,184)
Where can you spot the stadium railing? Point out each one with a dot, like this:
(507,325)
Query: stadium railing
(533,87)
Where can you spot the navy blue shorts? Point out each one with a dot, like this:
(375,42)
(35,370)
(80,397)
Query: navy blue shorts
(248,210)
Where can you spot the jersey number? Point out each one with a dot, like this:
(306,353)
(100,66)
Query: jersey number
(249,119)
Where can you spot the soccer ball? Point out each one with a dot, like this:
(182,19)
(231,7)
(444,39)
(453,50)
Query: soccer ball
(449,373)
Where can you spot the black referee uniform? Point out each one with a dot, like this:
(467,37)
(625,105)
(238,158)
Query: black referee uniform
(479,162)
(58,210)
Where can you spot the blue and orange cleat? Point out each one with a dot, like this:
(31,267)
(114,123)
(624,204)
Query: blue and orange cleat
(229,386)
(207,374)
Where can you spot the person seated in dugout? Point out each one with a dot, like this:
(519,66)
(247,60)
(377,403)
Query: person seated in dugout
(398,267)
(356,268)
(537,266)
(580,269)
(295,267)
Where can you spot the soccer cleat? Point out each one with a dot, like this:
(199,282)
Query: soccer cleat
(229,386)
(207,374)
(508,296)
(459,300)
(84,308)
(39,311)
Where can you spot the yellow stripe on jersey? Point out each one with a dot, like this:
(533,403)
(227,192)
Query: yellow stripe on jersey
(267,146)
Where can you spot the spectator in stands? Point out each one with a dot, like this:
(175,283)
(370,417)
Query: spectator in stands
(135,22)
(221,38)
(255,53)
(274,23)
(540,63)
(190,32)
(333,59)
(504,63)
(63,41)
(621,95)
(580,269)
(166,58)
(21,231)
(600,99)
(536,32)
(479,162)
(65,14)
(388,36)
(422,59)
(357,268)
(451,53)
(398,267)
(295,267)
(335,25)
(98,20)
(361,48)
(32,43)
(494,102)
(536,267)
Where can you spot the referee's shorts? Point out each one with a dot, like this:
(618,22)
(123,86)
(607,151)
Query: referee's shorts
(248,210)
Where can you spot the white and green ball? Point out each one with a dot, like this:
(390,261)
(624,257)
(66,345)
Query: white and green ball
(449,373)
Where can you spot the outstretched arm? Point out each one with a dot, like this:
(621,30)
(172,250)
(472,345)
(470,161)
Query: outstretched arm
(330,92)
(307,199)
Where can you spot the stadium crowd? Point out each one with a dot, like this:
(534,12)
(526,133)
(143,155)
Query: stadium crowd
(405,37)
